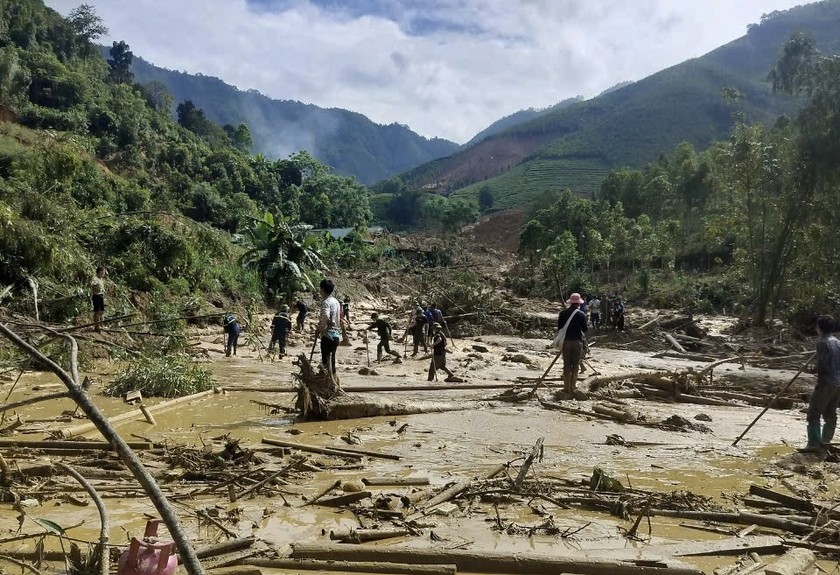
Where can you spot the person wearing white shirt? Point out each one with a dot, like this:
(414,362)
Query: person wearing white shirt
(329,324)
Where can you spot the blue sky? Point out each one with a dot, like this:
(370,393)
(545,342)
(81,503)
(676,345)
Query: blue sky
(446,68)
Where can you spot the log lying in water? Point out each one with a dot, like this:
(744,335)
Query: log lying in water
(320,397)
(488,561)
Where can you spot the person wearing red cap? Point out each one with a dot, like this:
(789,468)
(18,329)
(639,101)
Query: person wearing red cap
(575,324)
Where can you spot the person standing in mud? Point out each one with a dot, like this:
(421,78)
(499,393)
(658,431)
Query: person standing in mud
(427,313)
(574,320)
(383,329)
(618,313)
(439,355)
(231,330)
(418,331)
(329,323)
(281,325)
(301,315)
(826,395)
(97,298)
(595,311)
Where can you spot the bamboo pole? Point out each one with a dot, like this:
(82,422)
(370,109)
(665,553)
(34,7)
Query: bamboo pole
(384,388)
(83,428)
(150,486)
(775,397)
(341,451)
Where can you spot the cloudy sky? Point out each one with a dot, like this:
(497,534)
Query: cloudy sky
(445,67)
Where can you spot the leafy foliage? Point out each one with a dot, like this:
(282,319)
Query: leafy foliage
(164,376)
(283,253)
(96,172)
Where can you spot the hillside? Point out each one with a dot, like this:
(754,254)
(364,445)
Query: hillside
(576,146)
(517,118)
(92,174)
(349,142)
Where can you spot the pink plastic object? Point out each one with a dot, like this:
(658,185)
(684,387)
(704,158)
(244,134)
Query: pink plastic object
(146,558)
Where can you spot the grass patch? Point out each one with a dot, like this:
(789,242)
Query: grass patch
(168,376)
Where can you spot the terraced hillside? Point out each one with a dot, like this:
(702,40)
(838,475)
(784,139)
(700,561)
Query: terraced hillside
(574,146)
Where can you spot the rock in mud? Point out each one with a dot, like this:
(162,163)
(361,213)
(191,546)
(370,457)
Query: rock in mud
(518,358)
(679,422)
(367,371)
(480,348)
(352,486)
(703,417)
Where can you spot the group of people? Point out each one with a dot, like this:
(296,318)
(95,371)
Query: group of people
(603,310)
(427,326)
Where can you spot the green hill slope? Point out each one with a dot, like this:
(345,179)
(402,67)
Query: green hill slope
(575,147)
(349,142)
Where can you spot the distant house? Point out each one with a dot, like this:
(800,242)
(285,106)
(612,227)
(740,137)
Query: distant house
(342,233)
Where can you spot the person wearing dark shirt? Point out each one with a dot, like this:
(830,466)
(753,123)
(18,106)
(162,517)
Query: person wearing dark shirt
(618,314)
(826,395)
(573,342)
(418,331)
(301,316)
(231,329)
(281,325)
(439,355)
(383,329)
(345,309)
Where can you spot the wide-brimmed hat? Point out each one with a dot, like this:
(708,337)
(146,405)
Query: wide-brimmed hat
(436,325)
(575,298)
(284,307)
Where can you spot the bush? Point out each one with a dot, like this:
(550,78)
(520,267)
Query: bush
(168,376)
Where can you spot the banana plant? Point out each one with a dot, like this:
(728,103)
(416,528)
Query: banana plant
(283,253)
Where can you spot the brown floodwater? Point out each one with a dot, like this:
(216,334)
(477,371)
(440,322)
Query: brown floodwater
(443,446)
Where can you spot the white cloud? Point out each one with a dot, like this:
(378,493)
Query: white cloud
(445,68)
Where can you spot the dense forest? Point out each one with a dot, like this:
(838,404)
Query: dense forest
(756,212)
(96,172)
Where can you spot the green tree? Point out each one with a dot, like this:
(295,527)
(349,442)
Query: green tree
(158,96)
(559,262)
(282,252)
(485,199)
(87,25)
(120,63)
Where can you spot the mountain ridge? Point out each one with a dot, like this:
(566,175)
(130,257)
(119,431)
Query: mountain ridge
(576,146)
(348,141)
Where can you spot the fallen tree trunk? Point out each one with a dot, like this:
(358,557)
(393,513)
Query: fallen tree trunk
(352,566)
(72,445)
(319,397)
(340,451)
(490,561)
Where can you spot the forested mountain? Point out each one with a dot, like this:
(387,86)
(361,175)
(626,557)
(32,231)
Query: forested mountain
(349,142)
(94,171)
(575,147)
(519,117)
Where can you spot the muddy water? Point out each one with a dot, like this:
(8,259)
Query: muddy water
(444,446)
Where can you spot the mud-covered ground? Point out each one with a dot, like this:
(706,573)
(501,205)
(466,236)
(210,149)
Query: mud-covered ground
(458,444)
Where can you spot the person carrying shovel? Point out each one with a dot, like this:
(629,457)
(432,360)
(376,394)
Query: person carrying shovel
(826,395)
(383,329)
(572,321)
(439,355)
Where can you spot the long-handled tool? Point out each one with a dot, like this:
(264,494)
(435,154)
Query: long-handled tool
(545,373)
(367,348)
(775,397)
(312,351)
(449,335)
